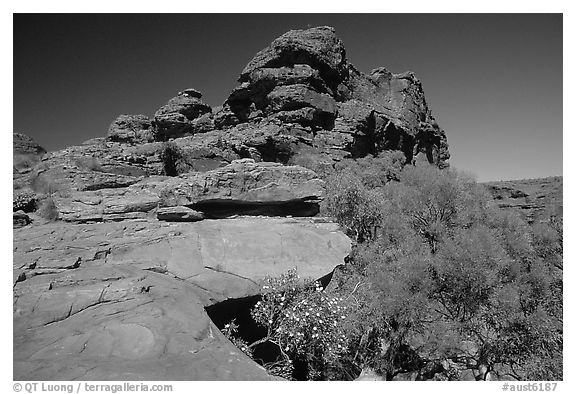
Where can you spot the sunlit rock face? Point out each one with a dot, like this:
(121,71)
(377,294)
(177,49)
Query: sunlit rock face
(135,232)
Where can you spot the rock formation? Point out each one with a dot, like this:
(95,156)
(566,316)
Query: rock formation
(535,199)
(26,152)
(133,234)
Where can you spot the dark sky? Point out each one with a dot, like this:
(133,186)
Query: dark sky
(493,82)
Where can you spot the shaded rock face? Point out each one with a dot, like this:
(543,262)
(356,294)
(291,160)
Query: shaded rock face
(304,78)
(20,219)
(182,115)
(299,101)
(134,129)
(318,47)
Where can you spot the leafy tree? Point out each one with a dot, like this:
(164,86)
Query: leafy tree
(441,283)
(480,296)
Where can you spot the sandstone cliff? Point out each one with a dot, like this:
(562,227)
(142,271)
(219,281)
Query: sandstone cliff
(125,239)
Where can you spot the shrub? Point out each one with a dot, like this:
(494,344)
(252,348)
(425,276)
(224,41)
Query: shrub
(23,161)
(171,158)
(440,283)
(230,330)
(88,163)
(47,209)
(304,322)
(446,276)
(44,184)
(373,172)
(358,209)
(24,200)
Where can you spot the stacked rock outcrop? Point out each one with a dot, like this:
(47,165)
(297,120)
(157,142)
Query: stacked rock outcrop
(112,278)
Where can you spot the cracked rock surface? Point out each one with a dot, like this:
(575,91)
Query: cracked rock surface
(136,231)
(125,301)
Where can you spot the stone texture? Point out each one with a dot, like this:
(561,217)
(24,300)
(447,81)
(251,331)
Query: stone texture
(304,78)
(534,199)
(179,214)
(110,204)
(25,145)
(246,181)
(176,118)
(267,188)
(125,301)
(135,129)
(26,153)
(166,216)
(191,92)
(318,47)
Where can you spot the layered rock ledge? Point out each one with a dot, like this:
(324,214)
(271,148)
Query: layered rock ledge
(124,240)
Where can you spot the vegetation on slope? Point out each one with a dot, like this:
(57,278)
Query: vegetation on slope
(442,285)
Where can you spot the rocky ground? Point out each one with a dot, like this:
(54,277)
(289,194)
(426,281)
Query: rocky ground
(121,243)
(125,300)
(535,199)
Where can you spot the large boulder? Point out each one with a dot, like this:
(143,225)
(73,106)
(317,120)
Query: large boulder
(182,115)
(318,47)
(304,78)
(134,129)
(295,97)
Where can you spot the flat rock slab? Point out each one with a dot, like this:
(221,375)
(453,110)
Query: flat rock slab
(125,301)
(120,323)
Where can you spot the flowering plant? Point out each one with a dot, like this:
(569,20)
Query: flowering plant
(23,200)
(303,321)
(230,330)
